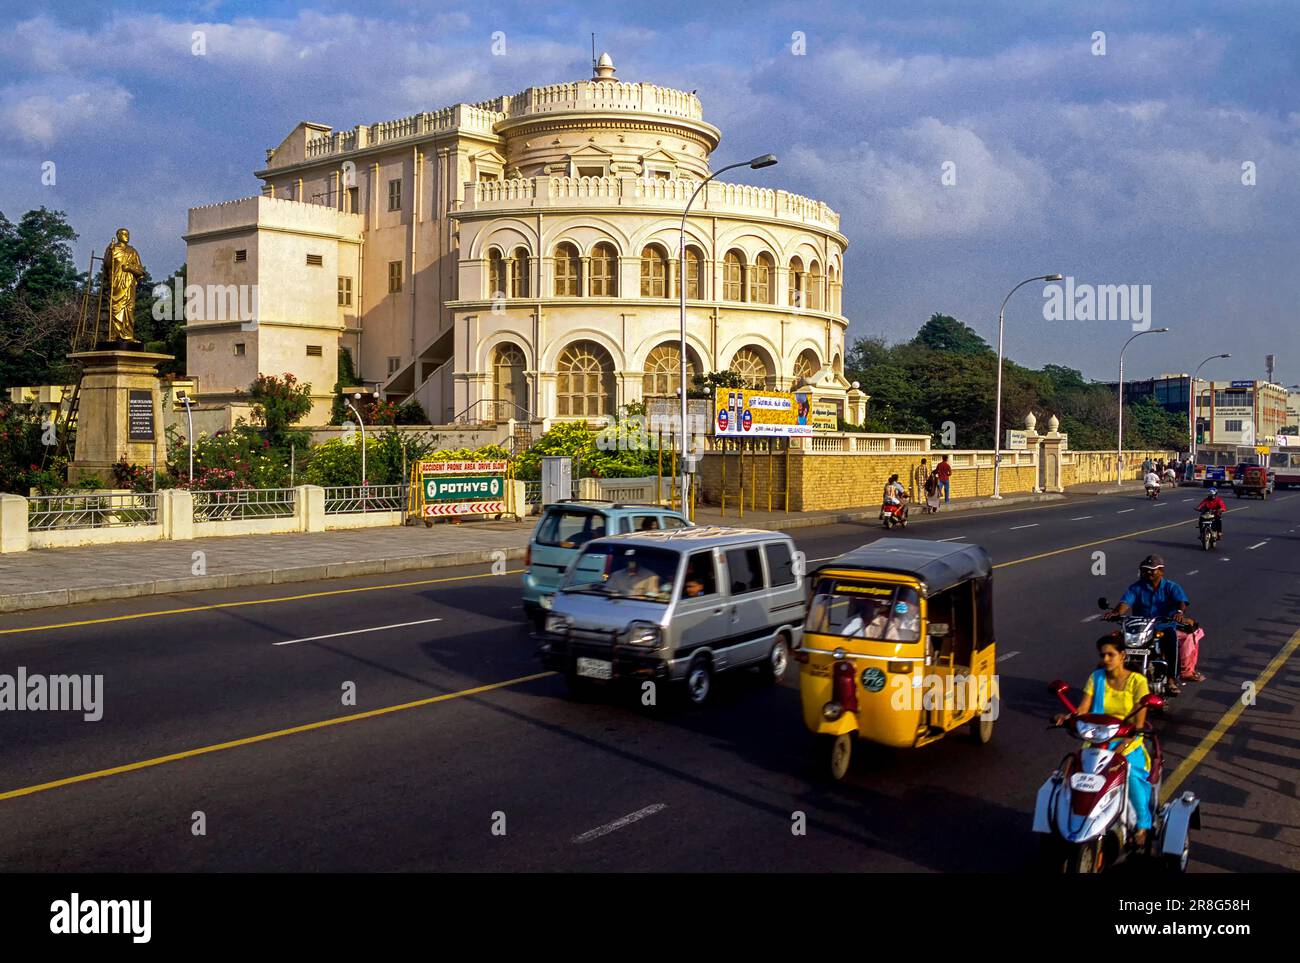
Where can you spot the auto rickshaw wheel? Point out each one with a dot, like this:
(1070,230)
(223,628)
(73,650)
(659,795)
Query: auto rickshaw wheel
(837,752)
(981,729)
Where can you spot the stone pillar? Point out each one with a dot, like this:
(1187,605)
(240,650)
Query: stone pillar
(855,410)
(310,505)
(119,413)
(176,510)
(1051,447)
(13,524)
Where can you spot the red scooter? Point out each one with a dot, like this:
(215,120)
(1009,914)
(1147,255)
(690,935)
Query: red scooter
(1083,813)
(891,515)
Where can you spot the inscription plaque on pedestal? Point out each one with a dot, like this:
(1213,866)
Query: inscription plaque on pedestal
(139,410)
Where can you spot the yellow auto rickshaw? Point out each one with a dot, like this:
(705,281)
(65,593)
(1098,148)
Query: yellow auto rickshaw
(898,647)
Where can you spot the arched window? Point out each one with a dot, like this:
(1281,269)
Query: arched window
(585,385)
(749,364)
(798,283)
(654,273)
(604,271)
(814,287)
(733,277)
(760,280)
(694,276)
(833,289)
(806,366)
(663,371)
(496,275)
(568,272)
(519,273)
(509,386)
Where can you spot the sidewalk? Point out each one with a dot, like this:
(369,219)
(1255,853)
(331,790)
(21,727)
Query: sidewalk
(43,578)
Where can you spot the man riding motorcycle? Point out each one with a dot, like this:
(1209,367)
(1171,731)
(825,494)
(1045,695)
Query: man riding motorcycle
(1152,482)
(1153,596)
(1213,503)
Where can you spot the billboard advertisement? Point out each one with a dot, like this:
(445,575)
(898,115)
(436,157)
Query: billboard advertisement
(742,413)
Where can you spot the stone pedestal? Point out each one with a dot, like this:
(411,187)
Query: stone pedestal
(119,413)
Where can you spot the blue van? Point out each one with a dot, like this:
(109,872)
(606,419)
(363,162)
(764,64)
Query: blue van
(569,524)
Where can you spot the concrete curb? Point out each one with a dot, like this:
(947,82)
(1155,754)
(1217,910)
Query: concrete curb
(27,601)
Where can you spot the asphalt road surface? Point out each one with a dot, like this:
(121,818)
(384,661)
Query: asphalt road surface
(226,709)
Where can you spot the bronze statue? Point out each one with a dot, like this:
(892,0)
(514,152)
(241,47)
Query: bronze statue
(122,271)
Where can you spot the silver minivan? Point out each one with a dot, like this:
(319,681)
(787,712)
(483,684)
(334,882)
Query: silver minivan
(678,606)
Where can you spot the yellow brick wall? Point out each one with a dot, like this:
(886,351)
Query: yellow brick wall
(1091,467)
(831,481)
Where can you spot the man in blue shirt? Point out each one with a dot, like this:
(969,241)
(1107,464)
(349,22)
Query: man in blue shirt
(1153,596)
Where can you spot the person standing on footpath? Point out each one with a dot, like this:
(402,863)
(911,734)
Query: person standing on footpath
(943,471)
(919,478)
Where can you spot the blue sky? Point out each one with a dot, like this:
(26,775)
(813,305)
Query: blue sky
(1117,169)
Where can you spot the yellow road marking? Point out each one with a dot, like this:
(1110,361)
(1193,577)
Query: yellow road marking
(1102,541)
(1227,720)
(263,737)
(232,605)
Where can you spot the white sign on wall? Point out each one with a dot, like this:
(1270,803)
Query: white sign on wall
(1016,441)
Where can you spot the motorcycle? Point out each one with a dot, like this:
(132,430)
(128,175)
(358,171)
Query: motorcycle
(891,515)
(1205,532)
(1153,492)
(1142,649)
(1083,813)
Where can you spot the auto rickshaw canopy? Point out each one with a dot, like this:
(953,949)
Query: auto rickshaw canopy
(937,565)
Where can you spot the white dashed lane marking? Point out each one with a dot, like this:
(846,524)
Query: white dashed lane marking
(1256,545)
(1015,527)
(627,820)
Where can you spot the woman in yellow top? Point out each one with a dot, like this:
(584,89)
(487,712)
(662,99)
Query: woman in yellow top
(1115,691)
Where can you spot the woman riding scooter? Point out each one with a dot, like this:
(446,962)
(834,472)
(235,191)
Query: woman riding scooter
(1115,691)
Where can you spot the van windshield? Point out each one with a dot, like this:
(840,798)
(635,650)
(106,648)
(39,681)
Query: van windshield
(570,528)
(863,610)
(624,571)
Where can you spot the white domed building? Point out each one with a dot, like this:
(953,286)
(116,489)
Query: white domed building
(518,259)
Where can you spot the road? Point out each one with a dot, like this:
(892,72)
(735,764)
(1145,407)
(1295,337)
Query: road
(230,704)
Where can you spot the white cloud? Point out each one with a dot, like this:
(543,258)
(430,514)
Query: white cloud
(42,118)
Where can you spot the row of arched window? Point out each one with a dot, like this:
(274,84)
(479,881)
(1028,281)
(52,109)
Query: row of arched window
(743,280)
(584,384)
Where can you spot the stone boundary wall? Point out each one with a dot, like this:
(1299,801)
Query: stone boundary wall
(820,481)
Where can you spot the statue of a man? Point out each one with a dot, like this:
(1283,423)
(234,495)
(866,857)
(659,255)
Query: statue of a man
(122,271)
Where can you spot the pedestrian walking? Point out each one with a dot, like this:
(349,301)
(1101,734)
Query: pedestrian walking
(944,471)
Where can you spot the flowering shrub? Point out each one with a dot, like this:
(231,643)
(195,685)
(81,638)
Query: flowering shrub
(278,403)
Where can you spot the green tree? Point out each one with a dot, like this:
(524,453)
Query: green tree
(39,298)
(278,404)
(945,333)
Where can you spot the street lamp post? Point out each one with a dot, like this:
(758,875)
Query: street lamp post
(1119,440)
(765,160)
(362,422)
(997,416)
(189,418)
(1191,402)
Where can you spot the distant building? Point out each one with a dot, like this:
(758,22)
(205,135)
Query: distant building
(1240,412)
(518,258)
(1169,390)
(1293,412)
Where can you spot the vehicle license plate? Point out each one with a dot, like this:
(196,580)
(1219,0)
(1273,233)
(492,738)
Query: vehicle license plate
(595,668)
(1139,651)
(1086,782)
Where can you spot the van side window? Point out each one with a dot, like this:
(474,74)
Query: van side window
(645,523)
(671,521)
(746,570)
(780,564)
(701,576)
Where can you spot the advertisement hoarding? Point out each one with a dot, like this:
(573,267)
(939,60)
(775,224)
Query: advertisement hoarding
(744,413)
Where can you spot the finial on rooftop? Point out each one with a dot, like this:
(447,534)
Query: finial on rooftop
(605,68)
